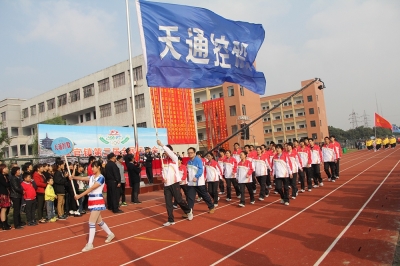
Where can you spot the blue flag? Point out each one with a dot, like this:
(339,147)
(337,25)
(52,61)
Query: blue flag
(395,129)
(192,47)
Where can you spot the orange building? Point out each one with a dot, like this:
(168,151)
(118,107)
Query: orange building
(304,115)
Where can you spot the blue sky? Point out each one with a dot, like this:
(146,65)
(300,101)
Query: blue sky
(354,46)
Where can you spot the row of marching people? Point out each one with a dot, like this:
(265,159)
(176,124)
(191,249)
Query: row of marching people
(282,165)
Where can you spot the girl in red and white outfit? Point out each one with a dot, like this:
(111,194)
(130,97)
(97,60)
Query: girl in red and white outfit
(316,160)
(305,158)
(230,169)
(183,183)
(221,160)
(329,155)
(212,173)
(251,156)
(281,167)
(295,167)
(236,152)
(244,178)
(261,166)
(96,203)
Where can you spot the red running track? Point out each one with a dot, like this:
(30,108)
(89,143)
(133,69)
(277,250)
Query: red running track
(327,226)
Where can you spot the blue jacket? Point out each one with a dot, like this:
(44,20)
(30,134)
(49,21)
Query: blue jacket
(196,161)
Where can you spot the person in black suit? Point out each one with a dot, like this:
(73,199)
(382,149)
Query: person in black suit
(134,169)
(113,180)
(148,162)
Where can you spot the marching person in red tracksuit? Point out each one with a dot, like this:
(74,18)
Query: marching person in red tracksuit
(316,160)
(282,171)
(338,150)
(329,155)
(261,166)
(295,167)
(212,173)
(305,159)
(230,169)
(244,178)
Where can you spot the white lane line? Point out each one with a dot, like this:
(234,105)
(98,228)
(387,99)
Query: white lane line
(297,214)
(352,220)
(72,225)
(208,230)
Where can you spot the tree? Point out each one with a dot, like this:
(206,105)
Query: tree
(57,120)
(4,141)
(358,133)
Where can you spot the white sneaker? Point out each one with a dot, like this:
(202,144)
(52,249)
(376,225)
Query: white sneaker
(337,177)
(289,187)
(228,199)
(190,215)
(261,199)
(241,205)
(287,203)
(297,193)
(282,201)
(169,223)
(77,213)
(239,196)
(218,198)
(174,206)
(302,191)
(254,191)
(321,184)
(221,193)
(87,248)
(269,186)
(252,202)
(333,181)
(275,192)
(329,180)
(293,197)
(315,186)
(215,205)
(309,190)
(109,238)
(198,199)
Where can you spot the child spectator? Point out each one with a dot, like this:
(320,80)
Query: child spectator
(30,198)
(50,196)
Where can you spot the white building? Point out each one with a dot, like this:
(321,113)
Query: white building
(99,99)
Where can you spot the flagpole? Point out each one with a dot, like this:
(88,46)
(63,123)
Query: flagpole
(131,79)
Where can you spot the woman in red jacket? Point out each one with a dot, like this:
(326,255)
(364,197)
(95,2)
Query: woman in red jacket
(5,201)
(41,184)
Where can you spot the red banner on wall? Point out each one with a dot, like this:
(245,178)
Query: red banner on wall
(216,128)
(173,110)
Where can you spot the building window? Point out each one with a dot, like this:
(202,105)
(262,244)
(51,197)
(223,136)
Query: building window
(121,106)
(280,141)
(241,91)
(143,124)
(231,91)
(221,95)
(277,117)
(94,115)
(88,91)
(81,118)
(3,116)
(119,80)
(234,129)
(232,110)
(289,116)
(196,100)
(25,113)
(299,101)
(75,95)
(51,104)
(137,73)
(309,98)
(265,130)
(33,110)
(199,118)
(312,123)
(302,126)
(314,135)
(41,107)
(200,136)
(88,117)
(243,109)
(105,110)
(292,127)
(300,114)
(278,129)
(104,84)
(311,111)
(139,101)
(287,128)
(62,100)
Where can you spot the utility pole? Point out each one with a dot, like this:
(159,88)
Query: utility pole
(365,119)
(353,119)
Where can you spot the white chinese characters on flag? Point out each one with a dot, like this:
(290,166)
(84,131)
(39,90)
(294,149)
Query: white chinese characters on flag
(192,47)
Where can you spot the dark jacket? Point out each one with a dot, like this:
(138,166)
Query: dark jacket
(16,190)
(4,185)
(133,172)
(148,159)
(112,172)
(60,182)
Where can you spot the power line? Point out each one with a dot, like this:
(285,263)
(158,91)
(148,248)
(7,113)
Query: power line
(353,120)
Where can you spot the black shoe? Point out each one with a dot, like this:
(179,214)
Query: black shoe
(32,224)
(62,218)
(83,212)
(138,202)
(22,224)
(19,227)
(118,211)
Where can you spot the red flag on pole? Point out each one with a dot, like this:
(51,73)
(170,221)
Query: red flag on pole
(382,122)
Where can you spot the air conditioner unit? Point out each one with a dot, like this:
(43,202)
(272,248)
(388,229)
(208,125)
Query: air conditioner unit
(134,83)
